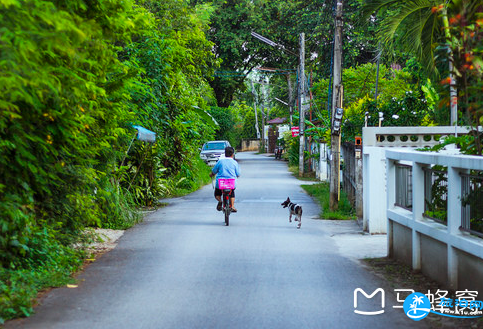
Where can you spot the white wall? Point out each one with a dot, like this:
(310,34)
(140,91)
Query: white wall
(374,189)
(282,129)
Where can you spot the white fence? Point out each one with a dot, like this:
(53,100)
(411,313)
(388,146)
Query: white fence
(375,140)
(445,253)
(352,175)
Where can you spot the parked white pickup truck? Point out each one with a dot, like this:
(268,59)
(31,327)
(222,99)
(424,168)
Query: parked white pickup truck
(212,151)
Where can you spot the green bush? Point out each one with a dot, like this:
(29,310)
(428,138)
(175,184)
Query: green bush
(292,147)
(192,177)
(117,208)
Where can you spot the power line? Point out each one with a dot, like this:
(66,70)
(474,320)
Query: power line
(273,71)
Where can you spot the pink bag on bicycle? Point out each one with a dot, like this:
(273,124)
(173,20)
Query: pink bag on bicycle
(226,183)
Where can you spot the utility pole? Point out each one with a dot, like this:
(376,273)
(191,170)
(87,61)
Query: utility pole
(255,97)
(262,107)
(301,104)
(377,75)
(336,103)
(290,97)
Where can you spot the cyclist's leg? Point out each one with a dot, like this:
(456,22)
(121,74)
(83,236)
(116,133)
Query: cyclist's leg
(218,194)
(232,200)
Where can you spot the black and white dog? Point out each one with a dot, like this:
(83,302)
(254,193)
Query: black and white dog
(294,209)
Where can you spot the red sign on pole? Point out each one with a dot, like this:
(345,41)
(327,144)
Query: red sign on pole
(295,131)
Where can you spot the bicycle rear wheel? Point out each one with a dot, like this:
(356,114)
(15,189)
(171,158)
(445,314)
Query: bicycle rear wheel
(226,209)
(227,217)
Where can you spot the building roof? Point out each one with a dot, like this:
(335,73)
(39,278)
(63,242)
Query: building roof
(277,121)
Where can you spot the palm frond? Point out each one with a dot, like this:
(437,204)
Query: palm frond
(430,33)
(410,24)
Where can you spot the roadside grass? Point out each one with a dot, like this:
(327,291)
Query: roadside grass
(21,284)
(321,193)
(310,176)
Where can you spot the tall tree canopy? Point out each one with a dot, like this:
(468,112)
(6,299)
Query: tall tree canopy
(282,22)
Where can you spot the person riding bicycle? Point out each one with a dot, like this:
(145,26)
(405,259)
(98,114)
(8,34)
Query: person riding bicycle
(226,168)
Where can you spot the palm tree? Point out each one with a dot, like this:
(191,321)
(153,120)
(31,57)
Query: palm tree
(417,26)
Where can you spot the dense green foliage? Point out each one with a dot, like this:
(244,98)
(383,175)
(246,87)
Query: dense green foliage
(465,39)
(74,77)
(402,98)
(282,22)
(227,119)
(445,36)
(249,129)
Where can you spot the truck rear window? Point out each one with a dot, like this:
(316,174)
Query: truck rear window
(214,146)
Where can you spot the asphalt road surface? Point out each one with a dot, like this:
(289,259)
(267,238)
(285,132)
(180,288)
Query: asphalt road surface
(183,268)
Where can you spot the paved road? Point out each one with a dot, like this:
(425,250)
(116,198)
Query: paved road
(182,268)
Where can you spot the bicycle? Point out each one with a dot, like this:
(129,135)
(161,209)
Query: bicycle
(278,152)
(226,185)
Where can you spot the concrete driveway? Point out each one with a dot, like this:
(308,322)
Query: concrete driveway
(182,268)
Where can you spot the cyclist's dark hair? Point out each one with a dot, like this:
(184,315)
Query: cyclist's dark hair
(229,151)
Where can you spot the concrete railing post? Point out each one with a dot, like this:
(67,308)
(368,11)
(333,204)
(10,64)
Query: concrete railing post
(391,200)
(453,222)
(417,212)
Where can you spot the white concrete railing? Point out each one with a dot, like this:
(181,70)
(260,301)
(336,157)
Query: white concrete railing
(375,140)
(409,136)
(443,252)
